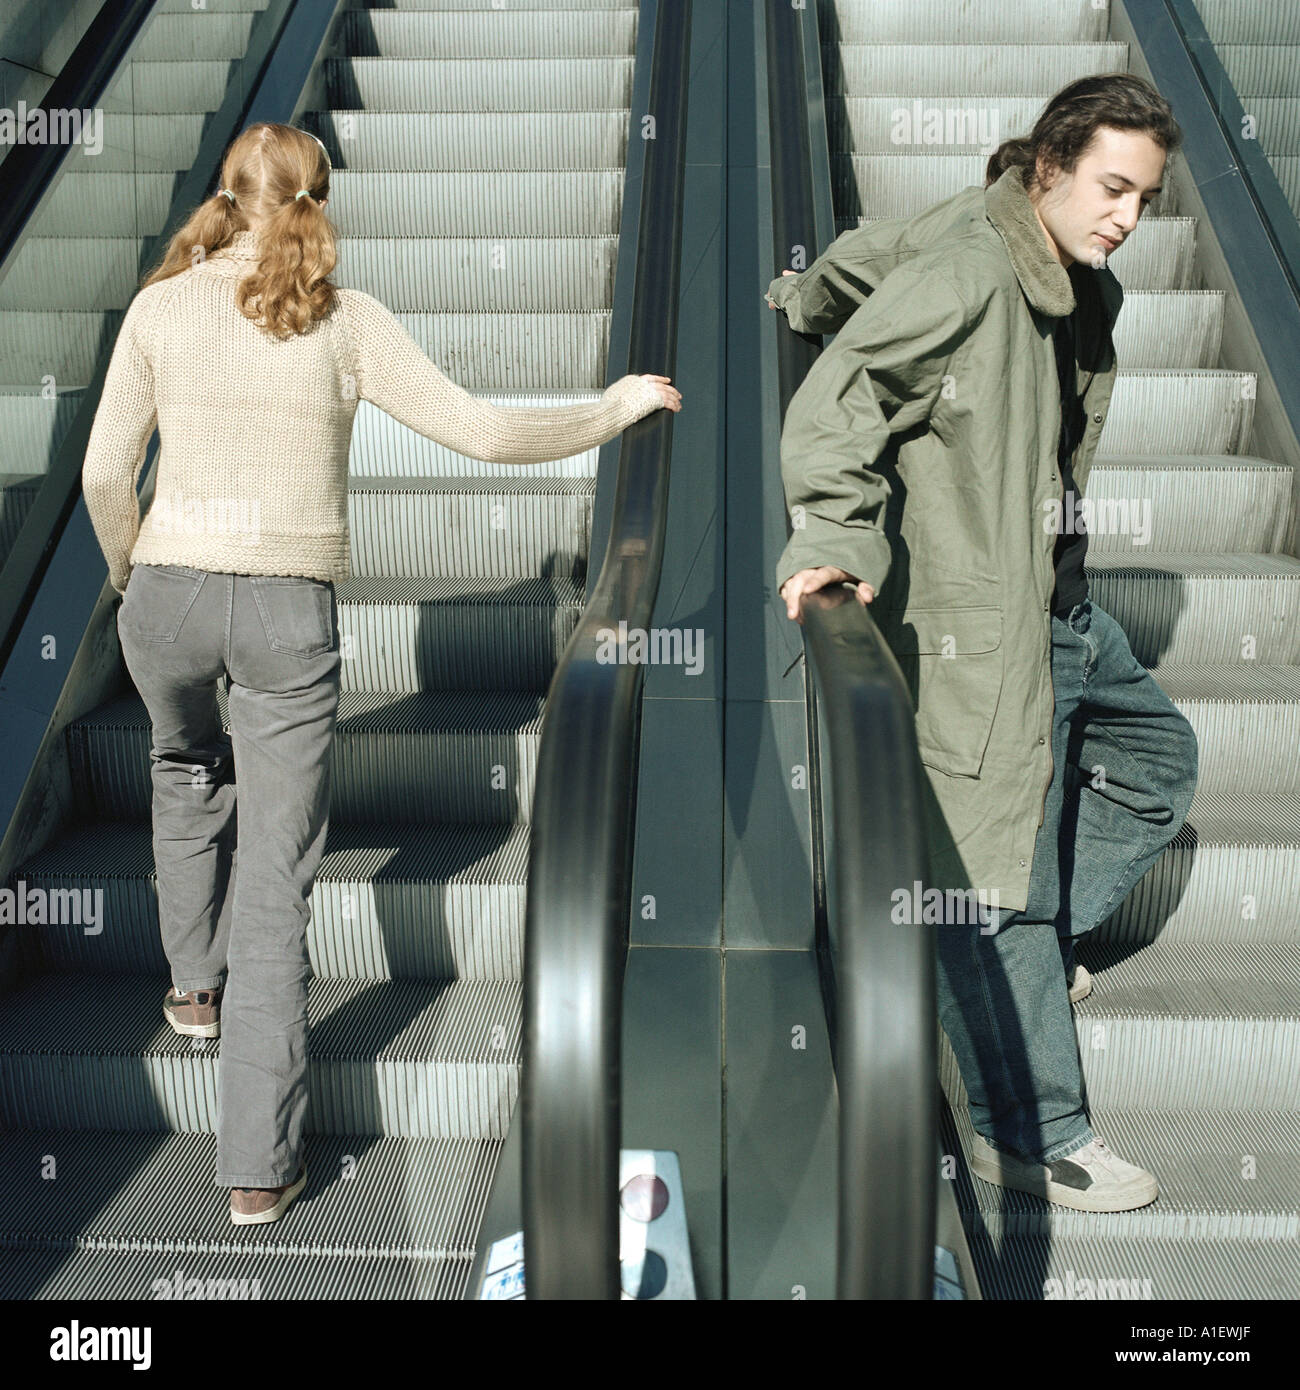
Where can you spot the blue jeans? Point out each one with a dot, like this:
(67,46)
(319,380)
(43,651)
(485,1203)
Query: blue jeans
(1124,772)
(274,640)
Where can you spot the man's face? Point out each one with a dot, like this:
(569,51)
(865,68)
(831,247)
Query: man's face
(1089,212)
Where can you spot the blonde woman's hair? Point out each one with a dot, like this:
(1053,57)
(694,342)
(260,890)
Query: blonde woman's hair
(264,168)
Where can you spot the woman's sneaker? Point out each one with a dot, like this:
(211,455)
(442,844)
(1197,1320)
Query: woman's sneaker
(253,1206)
(195,1013)
(1079,984)
(1093,1178)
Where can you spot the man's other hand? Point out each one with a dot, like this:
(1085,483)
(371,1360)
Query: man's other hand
(771,304)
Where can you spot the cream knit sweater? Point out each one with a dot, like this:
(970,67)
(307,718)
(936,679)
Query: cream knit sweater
(254,432)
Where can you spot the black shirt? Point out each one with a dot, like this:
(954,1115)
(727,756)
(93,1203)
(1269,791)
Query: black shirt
(1072,540)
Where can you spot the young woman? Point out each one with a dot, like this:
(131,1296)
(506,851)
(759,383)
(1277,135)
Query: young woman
(929,451)
(250,363)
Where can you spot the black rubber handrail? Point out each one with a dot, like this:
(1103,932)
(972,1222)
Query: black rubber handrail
(885,1048)
(1259,178)
(881,992)
(583,819)
(82,81)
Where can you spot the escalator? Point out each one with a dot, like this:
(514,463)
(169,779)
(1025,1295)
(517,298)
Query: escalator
(479,167)
(1188,1041)
(481,157)
(1259,47)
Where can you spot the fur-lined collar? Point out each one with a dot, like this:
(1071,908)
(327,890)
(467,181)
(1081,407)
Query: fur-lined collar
(1045,281)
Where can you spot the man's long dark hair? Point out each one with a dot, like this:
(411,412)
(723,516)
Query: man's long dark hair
(1074,115)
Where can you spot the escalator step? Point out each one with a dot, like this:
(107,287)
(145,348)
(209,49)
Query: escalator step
(422,758)
(1153,503)
(1230,877)
(1195,607)
(917,21)
(470,528)
(1184,1025)
(396,1198)
(478,142)
(479,84)
(970,70)
(389,902)
(414,1059)
(1224,1226)
(141,1274)
(495,33)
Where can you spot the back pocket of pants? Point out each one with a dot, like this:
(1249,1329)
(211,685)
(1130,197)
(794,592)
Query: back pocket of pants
(158,598)
(295,613)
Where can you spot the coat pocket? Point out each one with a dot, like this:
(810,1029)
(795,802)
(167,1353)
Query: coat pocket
(951,659)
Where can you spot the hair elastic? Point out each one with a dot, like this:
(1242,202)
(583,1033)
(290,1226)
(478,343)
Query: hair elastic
(228,193)
(301,193)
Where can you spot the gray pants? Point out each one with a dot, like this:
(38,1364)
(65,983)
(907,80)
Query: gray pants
(274,640)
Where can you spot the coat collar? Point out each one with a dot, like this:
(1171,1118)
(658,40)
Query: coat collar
(1046,282)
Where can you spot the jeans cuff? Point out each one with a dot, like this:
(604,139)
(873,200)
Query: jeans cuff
(251,1180)
(200,984)
(1062,1150)
(1068,1147)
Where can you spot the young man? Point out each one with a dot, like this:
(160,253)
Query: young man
(933,457)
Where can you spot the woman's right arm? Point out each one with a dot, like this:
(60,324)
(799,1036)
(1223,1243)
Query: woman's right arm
(394,373)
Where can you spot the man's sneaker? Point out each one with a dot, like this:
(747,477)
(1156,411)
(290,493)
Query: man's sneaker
(196,1013)
(1079,984)
(1094,1178)
(253,1206)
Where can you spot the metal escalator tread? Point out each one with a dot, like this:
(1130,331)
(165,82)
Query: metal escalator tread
(1199,981)
(130,1191)
(412,1058)
(237,1272)
(391,900)
(1213,1232)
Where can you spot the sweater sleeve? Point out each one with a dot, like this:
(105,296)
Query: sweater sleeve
(394,373)
(119,438)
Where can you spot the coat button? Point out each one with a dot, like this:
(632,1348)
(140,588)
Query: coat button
(1042,740)
(1022,863)
(1096,419)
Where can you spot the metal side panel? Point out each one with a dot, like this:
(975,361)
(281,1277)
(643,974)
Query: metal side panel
(781,1128)
(677,874)
(672,1086)
(767,867)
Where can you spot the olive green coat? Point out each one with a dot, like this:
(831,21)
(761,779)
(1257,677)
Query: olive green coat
(920,455)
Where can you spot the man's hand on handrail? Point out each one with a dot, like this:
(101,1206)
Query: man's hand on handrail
(810,580)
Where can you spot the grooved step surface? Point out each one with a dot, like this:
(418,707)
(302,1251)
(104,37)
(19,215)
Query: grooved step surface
(479,84)
(389,902)
(402,1058)
(1212,1233)
(1188,1026)
(422,758)
(147,1274)
(415,1198)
